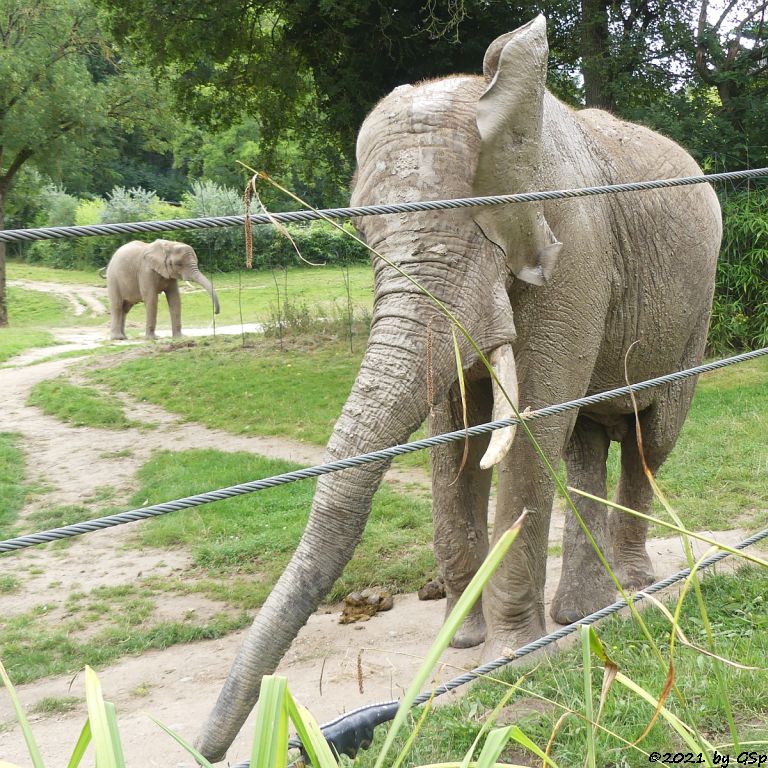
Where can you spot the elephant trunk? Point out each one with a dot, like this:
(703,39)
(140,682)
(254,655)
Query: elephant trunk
(198,277)
(387,403)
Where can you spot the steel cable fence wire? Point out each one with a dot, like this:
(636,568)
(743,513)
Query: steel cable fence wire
(155,510)
(287,217)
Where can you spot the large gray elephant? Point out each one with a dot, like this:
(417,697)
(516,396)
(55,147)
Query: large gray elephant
(141,271)
(555,294)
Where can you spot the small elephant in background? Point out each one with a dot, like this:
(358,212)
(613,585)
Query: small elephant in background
(140,271)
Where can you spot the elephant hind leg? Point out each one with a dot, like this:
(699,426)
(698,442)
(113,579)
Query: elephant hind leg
(659,427)
(460,503)
(585,585)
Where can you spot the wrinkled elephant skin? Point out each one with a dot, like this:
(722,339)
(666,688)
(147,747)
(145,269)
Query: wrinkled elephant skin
(554,294)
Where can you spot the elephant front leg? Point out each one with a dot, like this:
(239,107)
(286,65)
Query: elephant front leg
(150,303)
(585,585)
(514,597)
(460,503)
(173,297)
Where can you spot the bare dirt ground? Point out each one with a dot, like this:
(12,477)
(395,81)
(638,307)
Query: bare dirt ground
(71,465)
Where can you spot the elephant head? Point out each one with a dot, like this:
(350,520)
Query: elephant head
(178,261)
(450,138)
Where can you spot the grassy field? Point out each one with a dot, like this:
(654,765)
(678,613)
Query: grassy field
(239,547)
(247,296)
(12,488)
(715,477)
(253,536)
(19,270)
(265,297)
(297,392)
(555,688)
(79,406)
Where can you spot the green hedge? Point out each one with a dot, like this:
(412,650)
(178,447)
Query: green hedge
(740,311)
(219,249)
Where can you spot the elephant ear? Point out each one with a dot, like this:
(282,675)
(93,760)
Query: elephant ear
(158,256)
(509,119)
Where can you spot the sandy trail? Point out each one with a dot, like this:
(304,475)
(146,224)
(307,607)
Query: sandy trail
(179,685)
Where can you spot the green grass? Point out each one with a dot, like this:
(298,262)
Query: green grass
(32,648)
(239,546)
(717,473)
(56,517)
(737,609)
(255,294)
(716,476)
(297,393)
(55,705)
(19,270)
(242,545)
(12,488)
(79,406)
(8,584)
(14,341)
(31,315)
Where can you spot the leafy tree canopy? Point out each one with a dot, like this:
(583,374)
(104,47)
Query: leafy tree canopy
(65,88)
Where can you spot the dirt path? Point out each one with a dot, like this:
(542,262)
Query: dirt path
(180,684)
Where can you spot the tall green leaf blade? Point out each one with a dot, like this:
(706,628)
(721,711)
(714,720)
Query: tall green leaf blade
(34,752)
(183,743)
(315,745)
(82,744)
(588,714)
(270,735)
(107,756)
(494,744)
(452,623)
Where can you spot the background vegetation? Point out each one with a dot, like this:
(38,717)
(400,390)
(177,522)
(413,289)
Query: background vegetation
(140,112)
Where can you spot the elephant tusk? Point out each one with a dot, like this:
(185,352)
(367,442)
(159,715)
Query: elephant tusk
(502,361)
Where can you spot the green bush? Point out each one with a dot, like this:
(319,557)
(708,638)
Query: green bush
(89,212)
(220,248)
(740,311)
(57,209)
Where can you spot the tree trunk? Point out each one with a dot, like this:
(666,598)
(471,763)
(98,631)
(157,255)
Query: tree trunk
(3,302)
(595,54)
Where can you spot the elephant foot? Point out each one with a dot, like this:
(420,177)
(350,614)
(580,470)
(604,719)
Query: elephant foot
(504,644)
(634,569)
(580,594)
(118,337)
(472,631)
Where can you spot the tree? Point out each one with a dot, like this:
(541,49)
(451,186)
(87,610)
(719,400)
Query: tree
(63,87)
(309,66)
(731,59)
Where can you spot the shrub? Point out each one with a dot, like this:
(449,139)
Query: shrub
(57,210)
(740,311)
(121,205)
(89,212)
(221,248)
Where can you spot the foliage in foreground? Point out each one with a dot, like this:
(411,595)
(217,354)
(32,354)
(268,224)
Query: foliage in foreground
(555,711)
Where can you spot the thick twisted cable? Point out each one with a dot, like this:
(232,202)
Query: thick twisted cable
(335,726)
(155,510)
(47,233)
